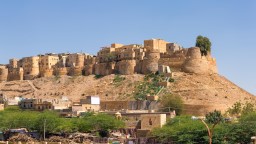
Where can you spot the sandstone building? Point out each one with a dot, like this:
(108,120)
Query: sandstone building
(117,58)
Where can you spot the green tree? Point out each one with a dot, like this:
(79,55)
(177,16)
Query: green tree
(172,102)
(48,122)
(242,131)
(100,123)
(212,118)
(204,44)
(181,129)
(239,109)
(247,108)
(236,109)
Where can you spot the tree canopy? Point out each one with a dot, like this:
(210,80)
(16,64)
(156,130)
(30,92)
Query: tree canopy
(204,44)
(13,117)
(172,102)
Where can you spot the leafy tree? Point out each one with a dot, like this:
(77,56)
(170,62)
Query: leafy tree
(247,108)
(181,129)
(239,109)
(172,102)
(100,123)
(204,44)
(48,119)
(242,131)
(12,117)
(213,118)
(68,125)
(235,109)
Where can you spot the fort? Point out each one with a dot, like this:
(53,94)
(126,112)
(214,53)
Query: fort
(114,59)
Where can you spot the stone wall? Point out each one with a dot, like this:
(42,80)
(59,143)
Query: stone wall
(129,105)
(75,71)
(174,63)
(60,71)
(105,68)
(46,73)
(114,105)
(15,74)
(89,69)
(126,67)
(3,73)
(200,110)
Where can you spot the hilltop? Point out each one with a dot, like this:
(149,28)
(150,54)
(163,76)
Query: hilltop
(201,93)
(73,75)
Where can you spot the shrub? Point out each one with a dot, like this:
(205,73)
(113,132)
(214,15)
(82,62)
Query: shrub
(98,76)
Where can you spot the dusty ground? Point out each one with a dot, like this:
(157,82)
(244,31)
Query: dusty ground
(200,92)
(73,87)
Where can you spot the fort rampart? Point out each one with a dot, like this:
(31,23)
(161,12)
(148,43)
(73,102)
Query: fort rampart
(118,58)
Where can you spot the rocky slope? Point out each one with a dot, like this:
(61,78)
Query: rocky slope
(201,93)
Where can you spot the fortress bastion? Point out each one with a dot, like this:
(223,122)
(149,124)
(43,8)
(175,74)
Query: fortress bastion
(117,58)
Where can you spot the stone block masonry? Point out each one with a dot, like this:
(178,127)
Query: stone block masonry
(115,59)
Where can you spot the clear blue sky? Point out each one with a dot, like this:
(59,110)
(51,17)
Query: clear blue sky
(30,27)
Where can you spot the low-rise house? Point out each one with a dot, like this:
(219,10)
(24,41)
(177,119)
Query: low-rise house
(27,103)
(36,104)
(89,104)
(43,105)
(77,109)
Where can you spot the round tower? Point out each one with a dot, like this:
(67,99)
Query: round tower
(126,67)
(75,71)
(3,74)
(194,53)
(195,63)
(60,71)
(150,62)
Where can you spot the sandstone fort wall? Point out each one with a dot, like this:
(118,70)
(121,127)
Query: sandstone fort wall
(118,58)
(3,73)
